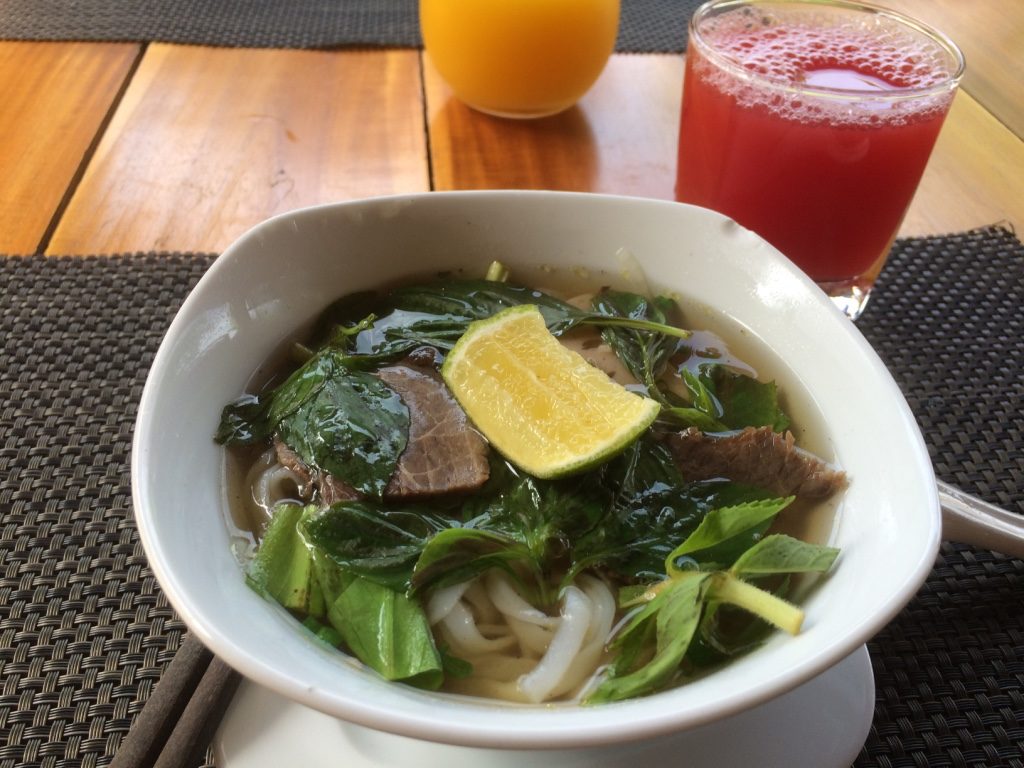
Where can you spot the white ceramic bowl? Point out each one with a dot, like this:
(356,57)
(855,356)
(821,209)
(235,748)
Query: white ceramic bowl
(284,271)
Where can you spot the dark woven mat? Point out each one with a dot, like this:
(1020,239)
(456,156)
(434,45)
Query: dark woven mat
(647,26)
(85,631)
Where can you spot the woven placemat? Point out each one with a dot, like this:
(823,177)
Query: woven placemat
(85,631)
(647,26)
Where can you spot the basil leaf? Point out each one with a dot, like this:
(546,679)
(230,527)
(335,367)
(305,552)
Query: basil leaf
(724,534)
(644,353)
(388,632)
(460,554)
(678,612)
(366,540)
(480,299)
(437,314)
(650,508)
(693,417)
(702,393)
(253,418)
(352,425)
(747,402)
(784,554)
(244,421)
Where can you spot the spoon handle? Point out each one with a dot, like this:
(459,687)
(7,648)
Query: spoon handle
(970,520)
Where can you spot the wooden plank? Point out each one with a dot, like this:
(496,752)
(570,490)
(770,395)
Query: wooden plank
(55,98)
(975,176)
(208,142)
(991,35)
(621,138)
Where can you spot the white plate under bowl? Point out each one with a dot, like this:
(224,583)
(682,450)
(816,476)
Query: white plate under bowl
(820,724)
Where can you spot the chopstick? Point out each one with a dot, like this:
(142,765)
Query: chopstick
(178,721)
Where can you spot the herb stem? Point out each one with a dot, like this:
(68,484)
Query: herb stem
(637,325)
(497,272)
(301,353)
(730,589)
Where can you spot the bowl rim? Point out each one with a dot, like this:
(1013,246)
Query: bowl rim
(568,732)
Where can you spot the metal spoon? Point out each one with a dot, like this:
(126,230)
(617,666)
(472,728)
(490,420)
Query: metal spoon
(970,520)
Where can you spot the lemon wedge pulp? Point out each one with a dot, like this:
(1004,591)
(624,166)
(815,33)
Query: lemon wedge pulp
(542,406)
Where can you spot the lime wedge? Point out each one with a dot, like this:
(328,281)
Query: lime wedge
(542,406)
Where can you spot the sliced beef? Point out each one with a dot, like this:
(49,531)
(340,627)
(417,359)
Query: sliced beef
(331,489)
(444,454)
(755,456)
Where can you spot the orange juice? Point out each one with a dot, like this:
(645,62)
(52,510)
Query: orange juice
(519,58)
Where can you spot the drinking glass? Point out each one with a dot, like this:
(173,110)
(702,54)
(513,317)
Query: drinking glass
(811,122)
(519,58)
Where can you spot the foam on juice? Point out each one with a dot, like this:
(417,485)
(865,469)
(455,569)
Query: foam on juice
(795,48)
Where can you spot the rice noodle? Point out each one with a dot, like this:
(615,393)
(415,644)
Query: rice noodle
(272,483)
(511,603)
(443,600)
(533,639)
(538,684)
(591,654)
(465,636)
(478,598)
(519,652)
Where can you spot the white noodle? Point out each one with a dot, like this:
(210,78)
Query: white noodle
(479,600)
(538,684)
(533,639)
(511,603)
(582,666)
(465,637)
(272,483)
(443,600)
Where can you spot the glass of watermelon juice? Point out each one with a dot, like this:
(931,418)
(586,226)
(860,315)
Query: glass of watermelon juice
(811,122)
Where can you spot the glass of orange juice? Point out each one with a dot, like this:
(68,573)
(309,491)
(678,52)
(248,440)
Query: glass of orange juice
(519,58)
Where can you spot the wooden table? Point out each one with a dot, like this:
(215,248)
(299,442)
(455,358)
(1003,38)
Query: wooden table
(109,148)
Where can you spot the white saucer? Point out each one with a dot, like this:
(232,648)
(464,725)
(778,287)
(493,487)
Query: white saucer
(821,724)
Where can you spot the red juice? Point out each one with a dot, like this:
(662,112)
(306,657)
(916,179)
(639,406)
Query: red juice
(812,131)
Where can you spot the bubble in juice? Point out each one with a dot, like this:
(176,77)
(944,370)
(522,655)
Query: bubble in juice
(819,49)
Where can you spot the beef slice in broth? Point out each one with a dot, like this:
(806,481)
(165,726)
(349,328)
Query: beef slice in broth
(755,456)
(445,454)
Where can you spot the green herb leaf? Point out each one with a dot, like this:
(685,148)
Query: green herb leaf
(677,614)
(460,554)
(644,353)
(388,632)
(365,539)
(244,421)
(747,402)
(724,534)
(437,314)
(649,508)
(353,426)
(281,568)
(253,418)
(784,554)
